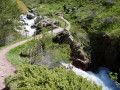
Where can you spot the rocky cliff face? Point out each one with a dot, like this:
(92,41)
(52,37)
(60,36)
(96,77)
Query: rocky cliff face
(105,51)
(78,56)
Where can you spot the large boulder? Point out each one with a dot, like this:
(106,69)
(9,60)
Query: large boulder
(38,19)
(33,26)
(81,64)
(30,16)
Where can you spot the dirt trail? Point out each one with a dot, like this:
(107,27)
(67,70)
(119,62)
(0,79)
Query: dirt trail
(6,68)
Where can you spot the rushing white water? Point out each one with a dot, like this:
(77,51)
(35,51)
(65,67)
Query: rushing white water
(26,29)
(101,78)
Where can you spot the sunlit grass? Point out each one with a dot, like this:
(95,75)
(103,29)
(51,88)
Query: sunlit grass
(22,6)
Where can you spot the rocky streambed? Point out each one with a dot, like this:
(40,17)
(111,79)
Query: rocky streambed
(31,24)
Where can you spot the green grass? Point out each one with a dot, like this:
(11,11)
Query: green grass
(14,53)
(41,78)
(12,43)
(18,61)
(15,58)
(22,6)
(50,10)
(58,52)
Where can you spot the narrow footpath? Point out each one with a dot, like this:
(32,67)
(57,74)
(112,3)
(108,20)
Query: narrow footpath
(6,68)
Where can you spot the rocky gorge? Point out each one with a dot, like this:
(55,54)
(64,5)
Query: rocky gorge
(105,52)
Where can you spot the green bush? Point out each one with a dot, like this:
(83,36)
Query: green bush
(9,12)
(34,78)
(44,52)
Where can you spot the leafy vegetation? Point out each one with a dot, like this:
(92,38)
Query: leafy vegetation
(44,52)
(22,6)
(30,76)
(34,78)
(13,43)
(88,18)
(41,52)
(9,14)
(114,76)
(91,18)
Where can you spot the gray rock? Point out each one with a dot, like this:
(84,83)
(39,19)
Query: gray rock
(57,23)
(54,26)
(68,37)
(38,19)
(33,26)
(49,24)
(30,16)
(25,23)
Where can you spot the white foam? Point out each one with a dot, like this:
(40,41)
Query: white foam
(26,28)
(101,78)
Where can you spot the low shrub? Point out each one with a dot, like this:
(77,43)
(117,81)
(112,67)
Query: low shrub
(37,78)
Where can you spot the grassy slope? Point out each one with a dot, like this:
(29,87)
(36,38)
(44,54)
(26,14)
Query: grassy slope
(15,58)
(22,6)
(12,43)
(50,11)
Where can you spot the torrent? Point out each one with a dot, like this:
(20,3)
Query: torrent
(101,78)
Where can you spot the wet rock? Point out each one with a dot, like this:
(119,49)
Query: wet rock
(49,24)
(33,26)
(25,23)
(81,64)
(30,16)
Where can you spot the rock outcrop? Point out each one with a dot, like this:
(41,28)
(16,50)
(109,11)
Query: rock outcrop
(81,64)
(78,57)
(43,21)
(105,51)
(30,16)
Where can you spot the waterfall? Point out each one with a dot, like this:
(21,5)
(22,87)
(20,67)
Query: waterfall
(26,28)
(101,78)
